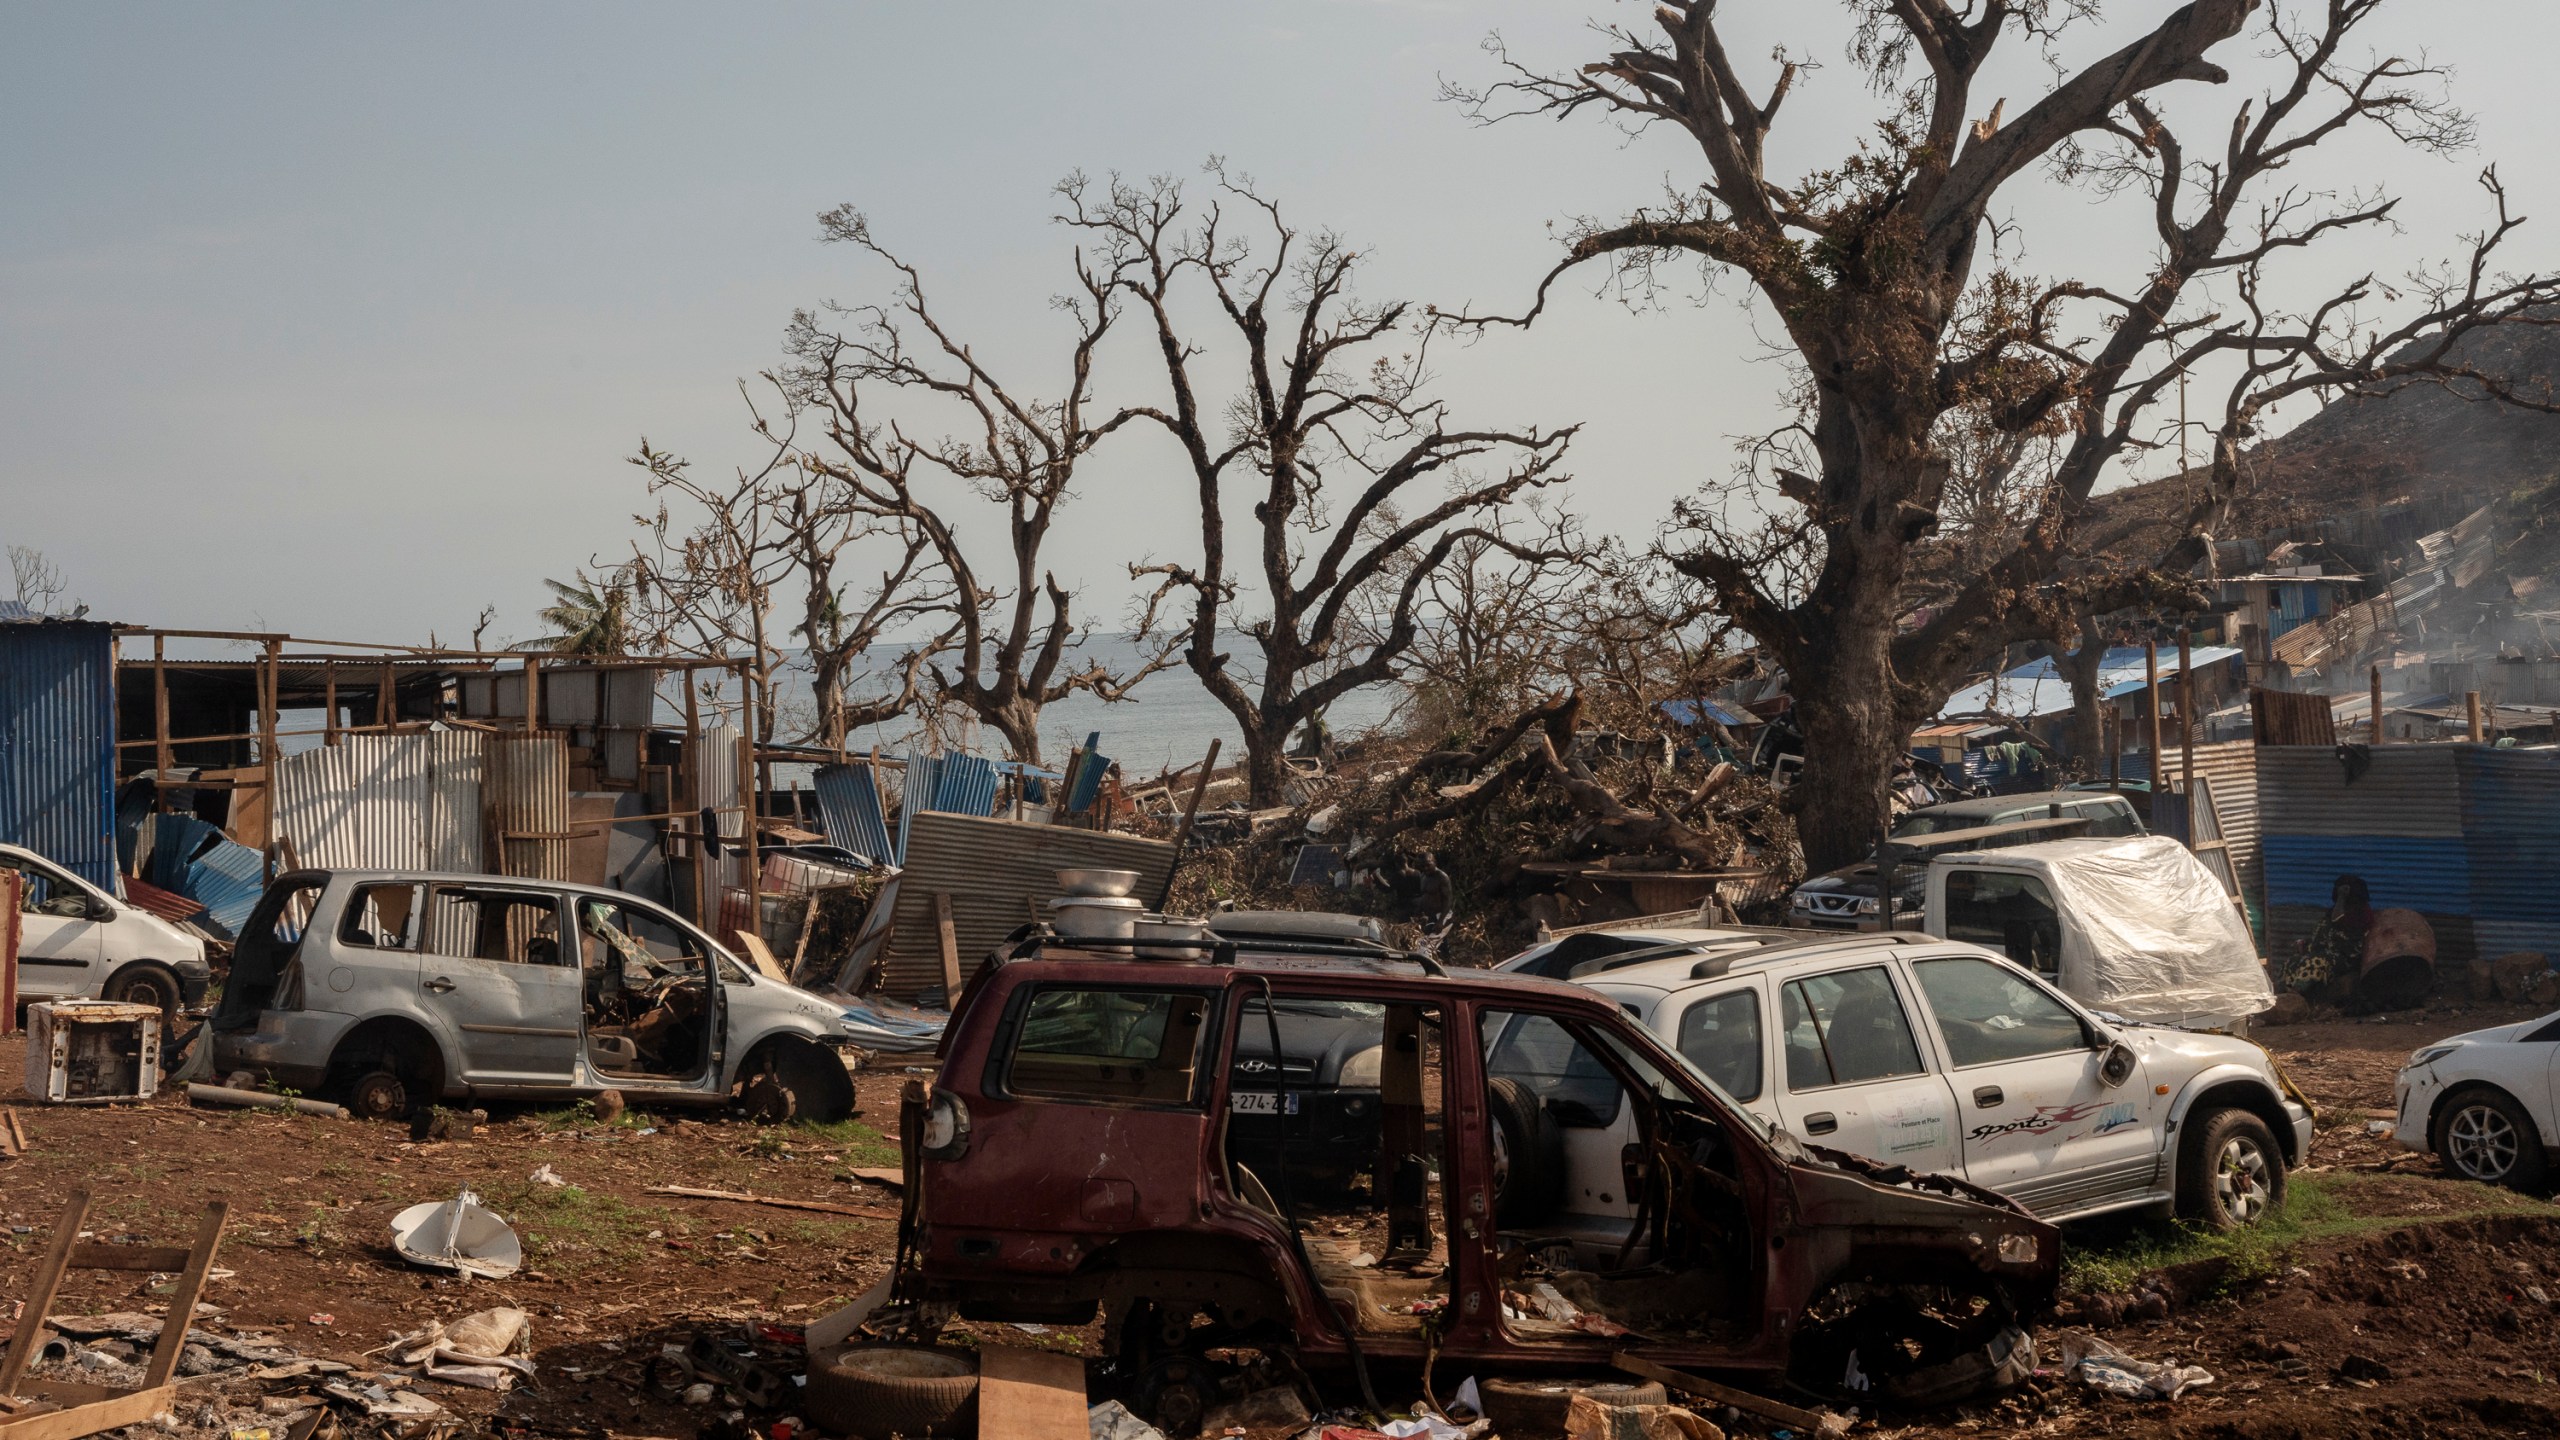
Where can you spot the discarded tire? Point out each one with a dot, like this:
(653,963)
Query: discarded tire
(1535,1409)
(1529,1167)
(874,1392)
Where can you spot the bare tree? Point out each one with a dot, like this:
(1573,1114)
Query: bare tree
(752,564)
(1016,645)
(1914,335)
(1359,480)
(37,579)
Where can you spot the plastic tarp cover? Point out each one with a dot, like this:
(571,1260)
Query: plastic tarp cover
(2148,932)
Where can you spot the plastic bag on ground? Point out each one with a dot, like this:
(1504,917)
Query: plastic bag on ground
(1588,1419)
(1111,1420)
(2108,1370)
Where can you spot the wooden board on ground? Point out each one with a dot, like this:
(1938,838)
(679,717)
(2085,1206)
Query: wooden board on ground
(1031,1394)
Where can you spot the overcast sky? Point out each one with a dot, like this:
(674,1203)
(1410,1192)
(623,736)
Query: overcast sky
(340,319)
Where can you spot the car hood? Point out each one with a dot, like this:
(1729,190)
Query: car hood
(187,945)
(2194,1049)
(1861,880)
(2495,1034)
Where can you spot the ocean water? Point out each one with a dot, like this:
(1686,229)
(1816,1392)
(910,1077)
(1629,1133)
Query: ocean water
(1167,721)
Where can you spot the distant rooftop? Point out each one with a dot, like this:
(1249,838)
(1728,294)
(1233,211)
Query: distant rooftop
(2037,688)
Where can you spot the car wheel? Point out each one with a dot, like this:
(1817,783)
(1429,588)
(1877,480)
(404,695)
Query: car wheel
(1528,1155)
(880,1391)
(378,1095)
(1538,1407)
(2485,1135)
(147,984)
(785,1081)
(2230,1171)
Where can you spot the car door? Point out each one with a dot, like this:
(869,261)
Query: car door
(2042,1124)
(499,974)
(59,946)
(1727,1035)
(1855,1077)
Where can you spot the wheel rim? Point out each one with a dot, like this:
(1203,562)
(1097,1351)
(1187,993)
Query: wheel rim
(379,1096)
(2240,1179)
(2481,1142)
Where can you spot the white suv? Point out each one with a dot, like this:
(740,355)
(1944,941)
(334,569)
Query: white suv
(1943,1056)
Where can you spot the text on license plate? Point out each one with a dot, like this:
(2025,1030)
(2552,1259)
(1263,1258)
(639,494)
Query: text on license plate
(1261,1102)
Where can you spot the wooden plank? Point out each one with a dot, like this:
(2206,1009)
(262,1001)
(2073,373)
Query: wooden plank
(182,1302)
(160,1259)
(1762,1406)
(744,1197)
(41,1289)
(947,936)
(1028,1394)
(129,1409)
(761,954)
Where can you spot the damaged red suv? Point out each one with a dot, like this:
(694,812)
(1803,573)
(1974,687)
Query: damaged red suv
(1550,1186)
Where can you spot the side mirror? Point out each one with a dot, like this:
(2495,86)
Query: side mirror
(2118,1065)
(100,910)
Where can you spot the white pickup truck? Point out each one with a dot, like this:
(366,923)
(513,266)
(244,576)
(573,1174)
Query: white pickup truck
(76,941)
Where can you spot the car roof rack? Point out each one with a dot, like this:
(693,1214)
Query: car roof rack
(1715,967)
(1224,951)
(1670,949)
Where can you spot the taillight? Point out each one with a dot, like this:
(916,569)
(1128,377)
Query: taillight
(946,1127)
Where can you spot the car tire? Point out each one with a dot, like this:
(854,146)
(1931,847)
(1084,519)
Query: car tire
(875,1392)
(785,1081)
(2483,1134)
(1537,1408)
(1529,1164)
(147,983)
(2230,1170)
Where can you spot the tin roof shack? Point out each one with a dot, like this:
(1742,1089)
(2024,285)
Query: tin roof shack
(58,741)
(2037,696)
(2466,835)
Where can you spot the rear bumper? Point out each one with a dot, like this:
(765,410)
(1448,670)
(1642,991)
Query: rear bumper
(286,1047)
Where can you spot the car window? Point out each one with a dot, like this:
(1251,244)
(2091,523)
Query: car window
(2109,819)
(1094,1044)
(1845,1028)
(41,892)
(382,917)
(2009,912)
(1721,1036)
(1988,1013)
(1544,1057)
(514,927)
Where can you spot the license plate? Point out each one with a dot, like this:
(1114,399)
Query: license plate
(1261,1102)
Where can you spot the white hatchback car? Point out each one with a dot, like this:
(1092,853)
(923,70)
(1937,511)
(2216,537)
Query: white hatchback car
(2482,1101)
(1943,1056)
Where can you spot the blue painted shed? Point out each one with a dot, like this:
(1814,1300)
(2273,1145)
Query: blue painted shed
(58,741)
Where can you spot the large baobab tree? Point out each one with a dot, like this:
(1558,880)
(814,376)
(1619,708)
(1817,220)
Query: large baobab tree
(1016,644)
(1361,488)
(1919,346)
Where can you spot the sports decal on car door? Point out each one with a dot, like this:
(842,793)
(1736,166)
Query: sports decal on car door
(2106,1118)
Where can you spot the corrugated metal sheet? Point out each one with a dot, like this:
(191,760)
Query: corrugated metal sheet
(2509,792)
(2511,813)
(229,877)
(967,787)
(999,874)
(2408,790)
(57,744)
(721,791)
(526,793)
(849,801)
(2429,875)
(385,802)
(917,784)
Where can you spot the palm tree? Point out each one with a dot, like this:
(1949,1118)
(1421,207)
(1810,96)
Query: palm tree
(588,616)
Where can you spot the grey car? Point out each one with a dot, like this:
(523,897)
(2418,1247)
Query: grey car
(394,989)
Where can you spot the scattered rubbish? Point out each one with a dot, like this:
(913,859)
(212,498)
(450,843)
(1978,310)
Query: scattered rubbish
(480,1349)
(1432,1427)
(460,1235)
(437,1123)
(709,1358)
(743,1197)
(1589,1419)
(92,1052)
(1111,1420)
(2104,1368)
(324,1318)
(262,1100)
(545,1175)
(1277,1408)
(71,1410)
(885,1026)
(1028,1327)
(1809,1421)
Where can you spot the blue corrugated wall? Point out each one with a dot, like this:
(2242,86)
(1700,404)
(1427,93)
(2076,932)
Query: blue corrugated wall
(58,744)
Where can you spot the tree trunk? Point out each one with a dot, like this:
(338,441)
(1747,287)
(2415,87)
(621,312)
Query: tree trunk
(2088,728)
(1852,736)
(1266,763)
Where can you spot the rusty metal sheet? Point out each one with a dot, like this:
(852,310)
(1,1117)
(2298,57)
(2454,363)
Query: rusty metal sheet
(2406,790)
(999,875)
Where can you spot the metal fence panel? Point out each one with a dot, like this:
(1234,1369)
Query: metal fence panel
(527,795)
(849,802)
(58,744)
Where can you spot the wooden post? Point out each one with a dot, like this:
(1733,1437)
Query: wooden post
(532,694)
(162,756)
(693,797)
(748,788)
(947,936)
(12,893)
(329,699)
(2373,733)
(267,743)
(2471,702)
(2151,706)
(386,700)
(2113,729)
(2187,717)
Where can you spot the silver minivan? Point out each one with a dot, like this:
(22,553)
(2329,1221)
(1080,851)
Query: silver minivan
(392,989)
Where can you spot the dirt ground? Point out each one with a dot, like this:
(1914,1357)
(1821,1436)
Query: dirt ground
(2421,1308)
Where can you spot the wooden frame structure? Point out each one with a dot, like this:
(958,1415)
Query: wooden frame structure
(66,1410)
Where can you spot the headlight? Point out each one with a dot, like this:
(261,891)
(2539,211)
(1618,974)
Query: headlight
(1360,1072)
(1868,906)
(2429,1055)
(1799,901)
(2018,1249)
(946,1127)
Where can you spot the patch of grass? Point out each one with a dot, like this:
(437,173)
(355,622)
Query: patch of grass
(858,1143)
(2317,1207)
(582,1116)
(568,1228)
